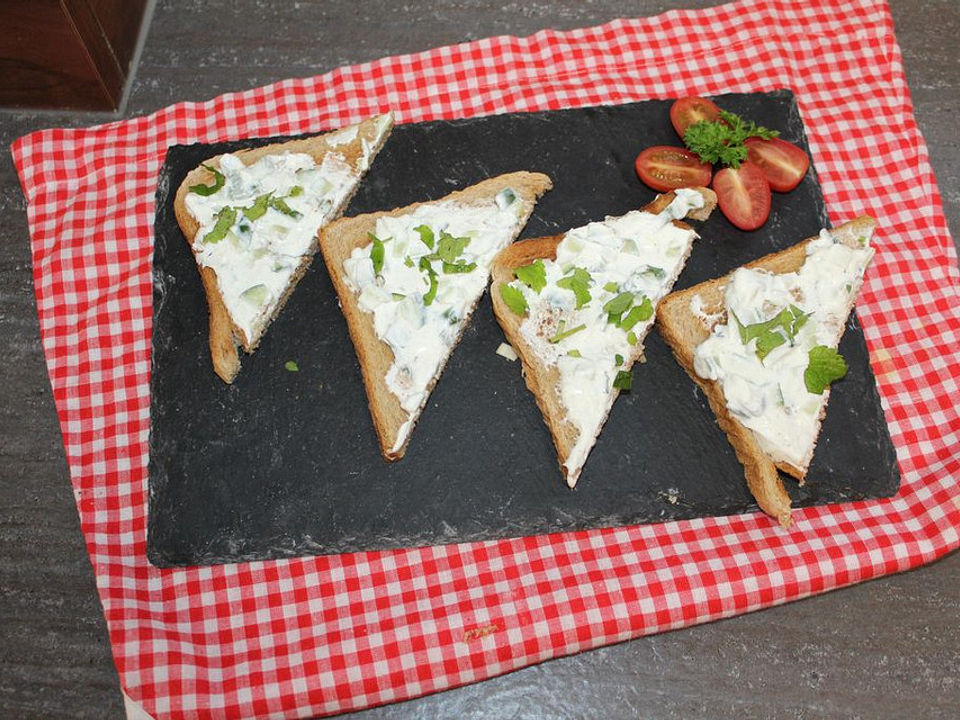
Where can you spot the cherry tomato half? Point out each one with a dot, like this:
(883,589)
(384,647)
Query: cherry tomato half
(781,162)
(689,110)
(667,168)
(743,195)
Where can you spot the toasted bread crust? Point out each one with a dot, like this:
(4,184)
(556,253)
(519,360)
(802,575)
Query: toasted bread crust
(684,331)
(225,335)
(339,239)
(541,380)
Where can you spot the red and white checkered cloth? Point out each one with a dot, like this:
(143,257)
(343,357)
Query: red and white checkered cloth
(319,635)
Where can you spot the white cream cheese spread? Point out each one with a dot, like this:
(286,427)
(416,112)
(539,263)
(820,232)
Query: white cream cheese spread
(590,308)
(420,277)
(778,326)
(257,227)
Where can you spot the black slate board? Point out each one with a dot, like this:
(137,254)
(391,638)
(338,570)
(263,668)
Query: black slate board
(286,463)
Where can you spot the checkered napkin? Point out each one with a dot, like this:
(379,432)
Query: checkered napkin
(319,635)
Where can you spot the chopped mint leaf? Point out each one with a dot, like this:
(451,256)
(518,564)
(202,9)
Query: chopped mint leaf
(296,191)
(259,207)
(225,220)
(206,190)
(513,298)
(562,334)
(611,287)
(623,380)
(432,274)
(619,305)
(281,206)
(376,253)
(458,267)
(291,366)
(767,342)
(618,359)
(774,332)
(533,275)
(825,366)
(450,247)
(632,338)
(574,353)
(426,235)
(579,284)
(638,313)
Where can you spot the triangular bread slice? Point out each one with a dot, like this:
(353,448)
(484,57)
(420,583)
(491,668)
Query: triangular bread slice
(569,345)
(252,219)
(408,296)
(688,318)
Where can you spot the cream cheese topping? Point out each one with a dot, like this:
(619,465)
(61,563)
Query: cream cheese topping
(435,264)
(268,238)
(637,258)
(769,395)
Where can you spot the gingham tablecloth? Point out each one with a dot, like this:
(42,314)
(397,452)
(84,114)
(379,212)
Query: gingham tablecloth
(319,635)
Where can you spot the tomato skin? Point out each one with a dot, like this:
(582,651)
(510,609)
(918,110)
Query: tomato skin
(666,168)
(781,162)
(743,195)
(689,110)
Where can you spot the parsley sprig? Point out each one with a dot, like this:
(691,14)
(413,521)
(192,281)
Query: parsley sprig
(722,141)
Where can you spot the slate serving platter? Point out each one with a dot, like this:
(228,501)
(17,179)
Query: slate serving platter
(286,463)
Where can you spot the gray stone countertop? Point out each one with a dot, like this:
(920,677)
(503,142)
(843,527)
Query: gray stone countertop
(889,648)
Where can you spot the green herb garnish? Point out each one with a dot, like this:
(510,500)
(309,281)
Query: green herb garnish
(632,338)
(574,353)
(458,267)
(206,190)
(296,191)
(450,247)
(638,313)
(259,207)
(513,298)
(562,334)
(618,305)
(281,206)
(611,287)
(432,274)
(721,141)
(623,380)
(291,366)
(654,271)
(825,365)
(225,220)
(774,332)
(426,235)
(533,275)
(579,284)
(618,359)
(376,253)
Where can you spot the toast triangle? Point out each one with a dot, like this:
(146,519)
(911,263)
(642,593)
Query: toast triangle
(238,317)
(527,332)
(499,206)
(688,317)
